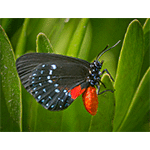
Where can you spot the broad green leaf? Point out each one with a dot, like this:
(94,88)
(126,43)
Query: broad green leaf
(44,25)
(11,25)
(86,44)
(47,120)
(139,106)
(64,39)
(20,48)
(11,106)
(43,44)
(77,38)
(6,22)
(128,71)
(75,117)
(146,29)
(55,34)
(29,106)
(102,121)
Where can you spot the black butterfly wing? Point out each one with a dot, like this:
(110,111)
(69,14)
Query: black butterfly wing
(49,77)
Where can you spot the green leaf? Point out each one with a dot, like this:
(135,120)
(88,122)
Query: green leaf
(20,48)
(47,120)
(64,39)
(29,106)
(146,29)
(139,106)
(86,44)
(102,121)
(128,71)
(77,38)
(75,118)
(43,44)
(44,25)
(11,106)
(11,25)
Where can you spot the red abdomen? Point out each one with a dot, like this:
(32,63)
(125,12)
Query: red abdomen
(90,100)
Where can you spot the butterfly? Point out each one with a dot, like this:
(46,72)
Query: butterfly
(55,81)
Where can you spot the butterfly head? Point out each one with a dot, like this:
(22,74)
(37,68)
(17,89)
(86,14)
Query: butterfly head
(94,71)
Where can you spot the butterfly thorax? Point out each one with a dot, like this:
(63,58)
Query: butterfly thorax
(94,73)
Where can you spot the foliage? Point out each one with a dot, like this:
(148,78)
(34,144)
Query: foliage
(125,110)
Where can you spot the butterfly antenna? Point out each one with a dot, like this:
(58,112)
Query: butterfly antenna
(105,50)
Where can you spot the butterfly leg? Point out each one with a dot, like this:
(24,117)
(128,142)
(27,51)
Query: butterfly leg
(105,70)
(98,86)
(105,91)
(103,84)
(98,92)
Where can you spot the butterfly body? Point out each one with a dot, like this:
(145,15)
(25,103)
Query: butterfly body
(55,81)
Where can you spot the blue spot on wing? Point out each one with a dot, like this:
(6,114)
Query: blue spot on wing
(47,90)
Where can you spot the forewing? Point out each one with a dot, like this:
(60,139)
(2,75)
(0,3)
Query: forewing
(50,78)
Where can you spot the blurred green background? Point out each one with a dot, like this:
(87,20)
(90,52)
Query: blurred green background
(82,38)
